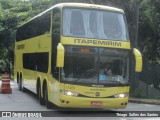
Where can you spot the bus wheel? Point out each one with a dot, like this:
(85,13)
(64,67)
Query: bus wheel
(41,100)
(47,103)
(20,82)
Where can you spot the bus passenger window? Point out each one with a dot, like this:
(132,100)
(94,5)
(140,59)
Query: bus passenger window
(44,24)
(93,24)
(56,22)
(77,25)
(55,40)
(111,26)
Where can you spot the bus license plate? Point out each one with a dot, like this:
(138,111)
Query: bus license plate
(96,103)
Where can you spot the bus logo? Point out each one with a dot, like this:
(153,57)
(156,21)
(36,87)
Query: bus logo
(97,94)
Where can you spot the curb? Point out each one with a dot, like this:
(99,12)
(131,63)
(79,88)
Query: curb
(145,101)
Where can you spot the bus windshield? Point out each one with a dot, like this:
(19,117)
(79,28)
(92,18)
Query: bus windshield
(88,65)
(89,23)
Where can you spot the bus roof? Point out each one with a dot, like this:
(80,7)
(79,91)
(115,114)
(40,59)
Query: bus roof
(86,5)
(78,5)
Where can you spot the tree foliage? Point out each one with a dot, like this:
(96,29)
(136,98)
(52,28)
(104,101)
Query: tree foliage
(16,12)
(149,30)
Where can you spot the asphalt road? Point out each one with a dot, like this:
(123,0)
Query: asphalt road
(26,104)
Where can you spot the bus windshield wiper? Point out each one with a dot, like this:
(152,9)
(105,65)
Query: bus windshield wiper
(114,81)
(77,79)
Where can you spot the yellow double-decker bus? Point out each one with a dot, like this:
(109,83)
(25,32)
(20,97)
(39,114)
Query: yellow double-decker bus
(76,55)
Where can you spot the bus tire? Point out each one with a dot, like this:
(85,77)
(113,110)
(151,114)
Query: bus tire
(20,82)
(17,78)
(47,103)
(41,100)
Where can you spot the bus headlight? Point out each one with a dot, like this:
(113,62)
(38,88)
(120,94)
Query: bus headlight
(121,95)
(69,93)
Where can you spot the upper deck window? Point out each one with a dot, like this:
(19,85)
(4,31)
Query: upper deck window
(89,23)
(35,27)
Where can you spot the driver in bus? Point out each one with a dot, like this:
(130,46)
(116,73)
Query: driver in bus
(105,69)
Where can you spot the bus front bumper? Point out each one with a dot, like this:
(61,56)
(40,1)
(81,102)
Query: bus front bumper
(82,102)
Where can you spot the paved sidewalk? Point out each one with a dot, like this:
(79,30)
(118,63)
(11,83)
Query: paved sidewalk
(145,101)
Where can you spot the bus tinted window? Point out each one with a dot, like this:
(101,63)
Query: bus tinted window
(36,61)
(44,24)
(36,27)
(87,65)
(56,22)
(94,24)
(55,39)
(27,31)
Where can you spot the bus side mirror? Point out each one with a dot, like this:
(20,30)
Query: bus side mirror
(138,60)
(60,55)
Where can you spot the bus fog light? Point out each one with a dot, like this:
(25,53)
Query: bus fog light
(121,95)
(69,93)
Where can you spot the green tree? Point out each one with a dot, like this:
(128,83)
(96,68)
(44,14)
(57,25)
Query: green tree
(12,14)
(16,12)
(149,31)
